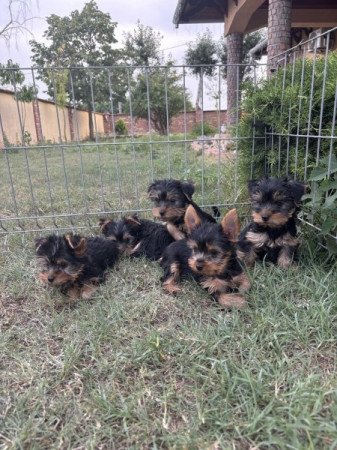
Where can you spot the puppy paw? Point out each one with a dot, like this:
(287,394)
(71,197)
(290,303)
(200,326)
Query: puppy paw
(171,288)
(236,301)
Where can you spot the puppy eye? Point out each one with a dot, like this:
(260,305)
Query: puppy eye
(62,265)
(214,253)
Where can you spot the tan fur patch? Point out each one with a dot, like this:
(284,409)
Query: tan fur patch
(60,278)
(171,286)
(175,232)
(215,285)
(257,239)
(171,214)
(135,248)
(88,290)
(154,195)
(275,220)
(191,219)
(43,277)
(79,248)
(241,282)
(209,268)
(74,293)
(231,225)
(103,223)
(287,240)
(247,258)
(283,260)
(232,301)
(132,220)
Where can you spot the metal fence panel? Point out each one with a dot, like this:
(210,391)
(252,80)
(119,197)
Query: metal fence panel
(55,178)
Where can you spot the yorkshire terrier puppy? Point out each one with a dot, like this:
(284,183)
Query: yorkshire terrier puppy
(137,237)
(208,255)
(171,199)
(272,234)
(74,264)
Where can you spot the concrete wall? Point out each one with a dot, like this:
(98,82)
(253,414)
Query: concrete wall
(43,121)
(54,122)
(15,116)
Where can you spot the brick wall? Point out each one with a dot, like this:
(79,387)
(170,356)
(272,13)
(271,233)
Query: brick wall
(178,123)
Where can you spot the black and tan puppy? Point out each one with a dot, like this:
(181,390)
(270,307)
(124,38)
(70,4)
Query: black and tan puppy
(209,256)
(74,264)
(171,199)
(272,234)
(137,237)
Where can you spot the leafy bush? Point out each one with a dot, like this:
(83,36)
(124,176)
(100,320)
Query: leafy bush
(321,204)
(205,129)
(120,127)
(284,105)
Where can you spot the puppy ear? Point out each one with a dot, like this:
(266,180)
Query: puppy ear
(133,220)
(230,225)
(151,187)
(191,219)
(188,189)
(298,189)
(76,243)
(253,185)
(39,242)
(103,223)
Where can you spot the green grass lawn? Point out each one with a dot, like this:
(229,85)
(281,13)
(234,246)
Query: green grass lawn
(60,184)
(135,368)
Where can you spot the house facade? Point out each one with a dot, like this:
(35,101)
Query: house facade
(288,22)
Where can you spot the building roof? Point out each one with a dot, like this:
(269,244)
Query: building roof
(249,15)
(200,11)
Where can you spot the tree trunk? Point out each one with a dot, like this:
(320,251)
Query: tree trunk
(234,46)
(199,93)
(91,123)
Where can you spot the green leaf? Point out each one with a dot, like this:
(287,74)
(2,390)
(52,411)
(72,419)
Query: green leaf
(331,244)
(330,201)
(328,225)
(319,173)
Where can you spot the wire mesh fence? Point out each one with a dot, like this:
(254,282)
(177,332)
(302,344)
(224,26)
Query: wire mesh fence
(104,133)
(302,142)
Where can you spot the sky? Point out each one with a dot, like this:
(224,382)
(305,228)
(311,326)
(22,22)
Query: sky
(155,13)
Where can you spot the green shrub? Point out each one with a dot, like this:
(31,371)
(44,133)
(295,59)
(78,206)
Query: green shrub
(120,127)
(205,129)
(283,104)
(320,205)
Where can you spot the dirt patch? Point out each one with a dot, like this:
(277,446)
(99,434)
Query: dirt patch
(13,311)
(220,146)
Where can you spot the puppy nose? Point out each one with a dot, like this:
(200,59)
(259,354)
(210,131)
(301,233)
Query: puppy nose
(162,212)
(265,218)
(50,279)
